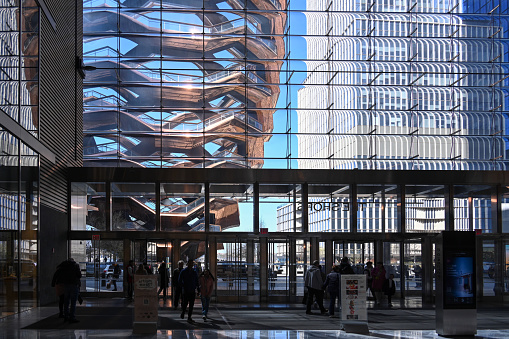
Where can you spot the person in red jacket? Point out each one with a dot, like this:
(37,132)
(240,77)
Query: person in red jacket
(206,282)
(378,275)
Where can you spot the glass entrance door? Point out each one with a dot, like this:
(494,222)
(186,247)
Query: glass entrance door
(238,271)
(98,260)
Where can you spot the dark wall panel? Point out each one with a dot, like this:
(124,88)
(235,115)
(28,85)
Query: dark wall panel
(61,125)
(52,251)
(60,98)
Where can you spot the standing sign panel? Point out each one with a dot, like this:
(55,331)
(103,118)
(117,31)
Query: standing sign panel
(455,274)
(353,297)
(145,304)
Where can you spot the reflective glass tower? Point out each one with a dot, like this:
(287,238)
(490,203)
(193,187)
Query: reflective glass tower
(405,85)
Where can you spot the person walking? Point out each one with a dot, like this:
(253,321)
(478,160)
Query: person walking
(177,289)
(206,283)
(116,275)
(378,274)
(369,278)
(163,279)
(70,276)
(333,282)
(188,279)
(59,286)
(130,279)
(389,289)
(314,283)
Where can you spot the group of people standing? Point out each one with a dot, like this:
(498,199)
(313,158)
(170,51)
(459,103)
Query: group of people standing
(378,282)
(316,282)
(186,283)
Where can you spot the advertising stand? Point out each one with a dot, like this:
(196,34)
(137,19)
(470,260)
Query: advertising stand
(145,304)
(456,312)
(354,314)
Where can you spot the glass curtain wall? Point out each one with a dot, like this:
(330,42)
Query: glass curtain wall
(19,203)
(181,83)
(394,85)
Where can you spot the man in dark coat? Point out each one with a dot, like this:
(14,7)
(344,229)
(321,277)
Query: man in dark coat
(70,276)
(164,279)
(177,289)
(188,279)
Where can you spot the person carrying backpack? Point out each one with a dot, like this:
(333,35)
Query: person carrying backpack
(333,282)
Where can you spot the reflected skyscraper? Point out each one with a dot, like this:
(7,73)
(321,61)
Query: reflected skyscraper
(405,85)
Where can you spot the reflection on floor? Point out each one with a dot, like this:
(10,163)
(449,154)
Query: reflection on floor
(240,321)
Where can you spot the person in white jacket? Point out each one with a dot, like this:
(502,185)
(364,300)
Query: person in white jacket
(313,282)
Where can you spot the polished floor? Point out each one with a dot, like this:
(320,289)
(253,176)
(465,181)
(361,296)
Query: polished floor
(407,319)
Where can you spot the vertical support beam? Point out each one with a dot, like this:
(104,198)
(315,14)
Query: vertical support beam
(264,265)
(127,255)
(294,202)
(250,267)
(207,206)
(329,255)
(402,269)
(292,248)
(158,206)
(107,206)
(496,209)
(305,209)
(479,267)
(470,213)
(314,251)
(256,208)
(353,208)
(175,250)
(379,251)
(449,207)
(401,209)
(213,258)
(383,211)
(427,270)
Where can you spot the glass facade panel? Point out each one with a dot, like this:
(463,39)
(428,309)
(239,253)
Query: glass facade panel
(133,206)
(183,208)
(19,225)
(425,208)
(413,266)
(472,208)
(231,208)
(19,56)
(88,206)
(329,208)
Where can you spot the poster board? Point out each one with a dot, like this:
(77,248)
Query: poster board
(353,298)
(146,304)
